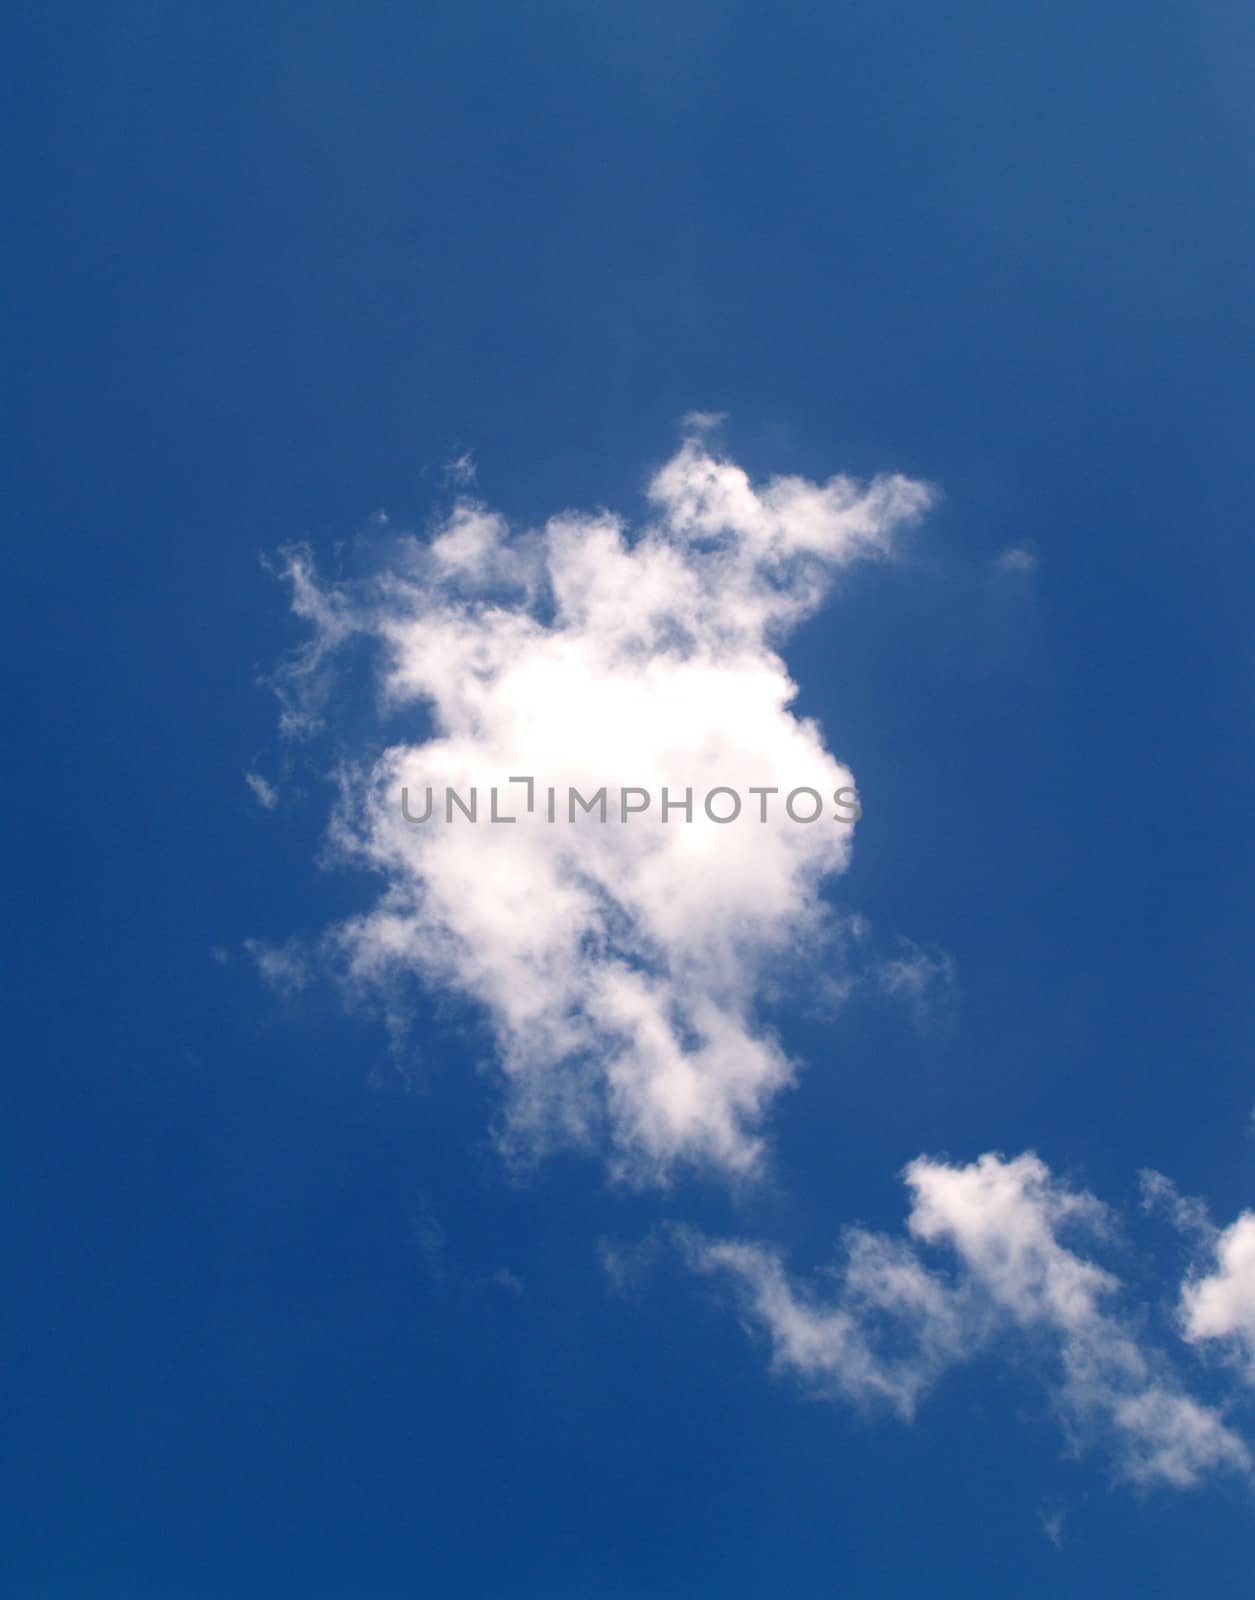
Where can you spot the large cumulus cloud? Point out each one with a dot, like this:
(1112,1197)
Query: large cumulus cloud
(619,962)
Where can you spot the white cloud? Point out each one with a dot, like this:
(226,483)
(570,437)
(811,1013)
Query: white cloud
(883,1337)
(1004,1219)
(621,966)
(265,793)
(1220,1304)
(1217,1300)
(893,1324)
(619,962)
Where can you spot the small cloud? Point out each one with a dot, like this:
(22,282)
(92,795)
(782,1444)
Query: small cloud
(220,954)
(1218,1302)
(1186,1214)
(507,1280)
(1052,1527)
(461,470)
(925,983)
(1016,558)
(266,795)
(285,967)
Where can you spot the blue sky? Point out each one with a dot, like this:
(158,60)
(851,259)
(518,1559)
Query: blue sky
(286,1308)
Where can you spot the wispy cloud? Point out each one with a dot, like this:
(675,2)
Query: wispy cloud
(894,1322)
(1187,1215)
(460,470)
(925,982)
(264,792)
(1017,558)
